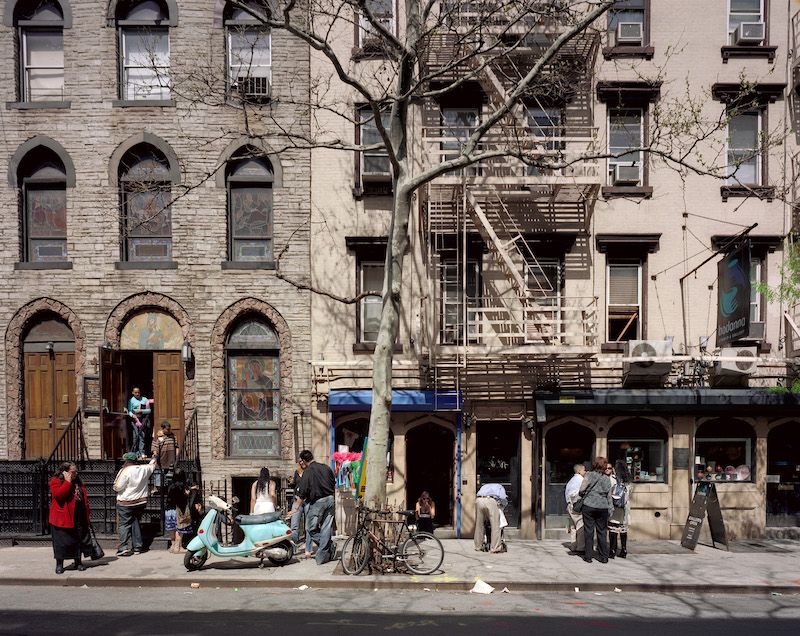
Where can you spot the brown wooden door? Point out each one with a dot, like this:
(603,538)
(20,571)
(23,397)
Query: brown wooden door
(168,388)
(39,405)
(112,391)
(50,400)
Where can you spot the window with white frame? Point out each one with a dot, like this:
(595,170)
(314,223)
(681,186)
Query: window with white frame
(625,136)
(144,50)
(623,301)
(744,148)
(249,49)
(743,12)
(370,279)
(383,13)
(41,51)
(374,164)
(757,276)
(546,126)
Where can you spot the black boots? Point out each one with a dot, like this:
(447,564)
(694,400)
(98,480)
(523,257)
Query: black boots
(612,545)
(623,537)
(59,566)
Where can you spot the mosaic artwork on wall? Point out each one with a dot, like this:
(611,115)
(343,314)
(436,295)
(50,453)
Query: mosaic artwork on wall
(152,330)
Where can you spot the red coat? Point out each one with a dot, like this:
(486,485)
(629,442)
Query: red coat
(62,506)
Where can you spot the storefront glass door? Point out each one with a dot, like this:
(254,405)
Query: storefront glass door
(565,445)
(498,462)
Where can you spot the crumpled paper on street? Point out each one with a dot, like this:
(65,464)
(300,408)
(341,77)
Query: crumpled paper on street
(481,587)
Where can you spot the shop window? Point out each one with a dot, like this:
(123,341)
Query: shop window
(40,32)
(249,178)
(249,48)
(143,38)
(351,436)
(252,353)
(642,445)
(725,451)
(43,180)
(624,301)
(145,191)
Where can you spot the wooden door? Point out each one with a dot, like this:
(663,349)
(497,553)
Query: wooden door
(64,390)
(112,392)
(168,389)
(39,405)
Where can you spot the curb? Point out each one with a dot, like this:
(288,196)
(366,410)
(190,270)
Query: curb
(360,583)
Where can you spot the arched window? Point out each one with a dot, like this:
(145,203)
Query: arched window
(43,181)
(724,451)
(40,29)
(249,48)
(143,39)
(249,178)
(252,353)
(642,445)
(145,182)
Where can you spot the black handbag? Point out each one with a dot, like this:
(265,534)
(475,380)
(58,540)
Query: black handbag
(97,550)
(577,505)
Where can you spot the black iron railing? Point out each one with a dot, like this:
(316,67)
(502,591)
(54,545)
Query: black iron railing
(71,446)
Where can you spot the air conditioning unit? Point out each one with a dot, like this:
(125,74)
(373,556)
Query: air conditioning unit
(252,87)
(756,331)
(629,33)
(626,175)
(655,365)
(749,33)
(745,363)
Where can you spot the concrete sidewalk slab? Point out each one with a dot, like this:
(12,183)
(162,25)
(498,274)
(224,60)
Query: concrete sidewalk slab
(664,566)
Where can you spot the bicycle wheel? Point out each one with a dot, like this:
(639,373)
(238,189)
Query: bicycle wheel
(355,554)
(423,553)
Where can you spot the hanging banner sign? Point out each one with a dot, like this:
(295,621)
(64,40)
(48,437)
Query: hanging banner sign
(733,295)
(362,480)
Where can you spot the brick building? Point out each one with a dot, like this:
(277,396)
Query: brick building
(146,215)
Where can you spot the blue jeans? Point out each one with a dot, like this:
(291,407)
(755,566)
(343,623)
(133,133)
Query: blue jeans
(319,525)
(295,526)
(128,524)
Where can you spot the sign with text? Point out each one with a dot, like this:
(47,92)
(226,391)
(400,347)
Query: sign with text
(705,501)
(733,295)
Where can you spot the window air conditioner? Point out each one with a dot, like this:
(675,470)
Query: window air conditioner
(252,87)
(749,33)
(756,331)
(656,359)
(629,33)
(745,363)
(626,175)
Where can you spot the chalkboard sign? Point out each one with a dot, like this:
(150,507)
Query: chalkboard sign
(91,395)
(705,501)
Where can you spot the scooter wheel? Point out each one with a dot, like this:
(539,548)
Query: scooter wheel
(194,559)
(289,547)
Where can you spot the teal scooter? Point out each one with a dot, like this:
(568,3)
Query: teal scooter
(265,537)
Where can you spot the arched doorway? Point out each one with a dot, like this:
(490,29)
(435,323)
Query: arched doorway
(49,384)
(783,475)
(430,465)
(149,357)
(565,445)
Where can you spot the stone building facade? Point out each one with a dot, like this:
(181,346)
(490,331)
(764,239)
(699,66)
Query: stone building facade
(146,98)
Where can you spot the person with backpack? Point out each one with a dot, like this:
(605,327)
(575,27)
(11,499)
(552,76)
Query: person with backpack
(620,517)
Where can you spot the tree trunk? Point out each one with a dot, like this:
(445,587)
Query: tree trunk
(379,419)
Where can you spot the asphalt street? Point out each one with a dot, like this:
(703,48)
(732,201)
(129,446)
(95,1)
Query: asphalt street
(186,611)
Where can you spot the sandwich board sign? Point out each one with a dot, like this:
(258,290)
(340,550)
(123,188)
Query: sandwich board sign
(705,502)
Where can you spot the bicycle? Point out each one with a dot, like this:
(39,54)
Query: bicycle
(420,552)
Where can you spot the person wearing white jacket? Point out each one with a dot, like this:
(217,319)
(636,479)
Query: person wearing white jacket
(132,487)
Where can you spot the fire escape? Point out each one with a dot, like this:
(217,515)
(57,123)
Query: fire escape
(508,323)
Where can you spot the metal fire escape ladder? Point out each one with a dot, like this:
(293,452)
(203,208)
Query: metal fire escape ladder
(534,318)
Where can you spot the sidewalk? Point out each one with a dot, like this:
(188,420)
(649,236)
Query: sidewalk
(652,566)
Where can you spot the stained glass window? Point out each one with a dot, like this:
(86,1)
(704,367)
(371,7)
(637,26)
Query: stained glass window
(44,196)
(253,383)
(250,208)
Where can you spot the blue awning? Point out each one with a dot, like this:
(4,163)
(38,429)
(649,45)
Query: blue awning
(402,400)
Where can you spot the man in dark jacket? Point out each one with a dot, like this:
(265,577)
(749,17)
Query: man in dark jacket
(316,489)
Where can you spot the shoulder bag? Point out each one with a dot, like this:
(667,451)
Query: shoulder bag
(97,550)
(577,505)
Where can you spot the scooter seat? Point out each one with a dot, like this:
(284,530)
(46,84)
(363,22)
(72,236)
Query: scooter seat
(256,520)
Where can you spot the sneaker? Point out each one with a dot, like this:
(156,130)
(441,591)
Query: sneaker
(124,552)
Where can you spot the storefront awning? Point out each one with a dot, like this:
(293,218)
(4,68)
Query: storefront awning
(402,400)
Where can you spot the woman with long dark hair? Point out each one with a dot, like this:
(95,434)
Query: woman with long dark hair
(426,511)
(596,496)
(262,494)
(69,517)
(621,516)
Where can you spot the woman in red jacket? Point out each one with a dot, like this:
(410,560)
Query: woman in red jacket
(69,517)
